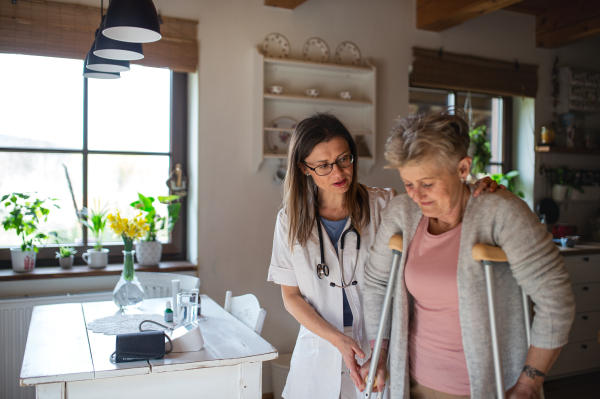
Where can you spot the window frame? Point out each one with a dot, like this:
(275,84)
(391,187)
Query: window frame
(176,248)
(506,140)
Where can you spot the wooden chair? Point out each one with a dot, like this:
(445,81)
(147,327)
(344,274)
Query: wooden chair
(158,285)
(246,309)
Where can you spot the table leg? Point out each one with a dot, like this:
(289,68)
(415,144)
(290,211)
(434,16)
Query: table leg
(251,380)
(50,391)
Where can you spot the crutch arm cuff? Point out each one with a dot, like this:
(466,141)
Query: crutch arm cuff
(483,252)
(395,243)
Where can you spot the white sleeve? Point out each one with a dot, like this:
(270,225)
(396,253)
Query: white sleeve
(281,270)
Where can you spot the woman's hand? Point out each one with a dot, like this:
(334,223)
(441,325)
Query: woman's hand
(349,349)
(485,183)
(523,391)
(379,374)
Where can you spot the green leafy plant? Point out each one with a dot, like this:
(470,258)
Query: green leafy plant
(565,177)
(154,220)
(483,151)
(95,220)
(65,252)
(25,214)
(508,180)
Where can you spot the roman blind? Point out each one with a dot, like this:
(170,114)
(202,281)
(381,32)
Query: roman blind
(452,71)
(47,28)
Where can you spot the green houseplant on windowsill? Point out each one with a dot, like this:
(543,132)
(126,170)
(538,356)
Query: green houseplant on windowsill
(148,250)
(66,256)
(25,214)
(95,221)
(480,151)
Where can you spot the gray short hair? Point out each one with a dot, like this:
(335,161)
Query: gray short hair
(441,135)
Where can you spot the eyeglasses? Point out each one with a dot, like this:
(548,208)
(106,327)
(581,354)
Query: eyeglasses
(326,168)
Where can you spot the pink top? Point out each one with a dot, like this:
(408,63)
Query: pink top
(437,357)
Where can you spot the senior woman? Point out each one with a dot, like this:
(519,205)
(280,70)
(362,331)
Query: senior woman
(438,330)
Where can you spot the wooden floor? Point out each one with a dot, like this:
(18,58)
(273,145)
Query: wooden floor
(586,386)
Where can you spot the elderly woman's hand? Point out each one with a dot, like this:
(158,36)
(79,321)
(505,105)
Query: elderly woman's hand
(485,183)
(380,375)
(523,391)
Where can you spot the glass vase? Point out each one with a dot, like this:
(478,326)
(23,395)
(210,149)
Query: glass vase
(128,293)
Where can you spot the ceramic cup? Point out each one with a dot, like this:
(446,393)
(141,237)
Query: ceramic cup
(313,92)
(96,259)
(276,89)
(345,95)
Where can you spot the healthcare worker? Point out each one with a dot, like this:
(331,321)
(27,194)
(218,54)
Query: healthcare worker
(321,244)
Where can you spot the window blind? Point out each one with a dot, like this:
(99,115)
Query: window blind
(442,70)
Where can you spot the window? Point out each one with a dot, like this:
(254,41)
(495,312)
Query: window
(115,138)
(487,110)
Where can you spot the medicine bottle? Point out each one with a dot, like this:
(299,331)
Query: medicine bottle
(168,312)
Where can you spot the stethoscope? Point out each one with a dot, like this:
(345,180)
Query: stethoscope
(323,269)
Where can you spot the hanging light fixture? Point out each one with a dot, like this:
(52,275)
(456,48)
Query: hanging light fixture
(88,73)
(100,64)
(133,21)
(116,49)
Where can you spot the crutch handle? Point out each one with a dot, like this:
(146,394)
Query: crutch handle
(490,253)
(395,243)
(387,377)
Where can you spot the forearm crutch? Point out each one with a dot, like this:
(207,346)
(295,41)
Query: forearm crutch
(395,245)
(487,254)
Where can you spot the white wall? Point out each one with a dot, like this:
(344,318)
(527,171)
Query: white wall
(237,207)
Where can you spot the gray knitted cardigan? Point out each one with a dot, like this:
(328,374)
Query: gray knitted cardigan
(500,219)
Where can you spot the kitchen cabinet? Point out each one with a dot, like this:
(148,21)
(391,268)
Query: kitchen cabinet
(582,353)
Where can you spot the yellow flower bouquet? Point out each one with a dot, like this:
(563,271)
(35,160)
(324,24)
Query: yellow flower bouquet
(129,230)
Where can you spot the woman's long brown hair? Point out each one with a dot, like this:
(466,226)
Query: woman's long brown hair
(300,191)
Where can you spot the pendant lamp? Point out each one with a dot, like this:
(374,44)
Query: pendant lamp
(116,49)
(100,64)
(132,21)
(88,73)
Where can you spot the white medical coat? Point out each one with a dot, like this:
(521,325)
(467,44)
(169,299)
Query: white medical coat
(315,370)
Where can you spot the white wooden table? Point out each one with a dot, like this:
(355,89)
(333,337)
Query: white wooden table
(65,360)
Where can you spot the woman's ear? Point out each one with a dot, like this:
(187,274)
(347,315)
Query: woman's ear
(464,167)
(303,168)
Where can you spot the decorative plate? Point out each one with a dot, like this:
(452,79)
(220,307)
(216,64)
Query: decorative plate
(278,141)
(347,53)
(276,45)
(315,50)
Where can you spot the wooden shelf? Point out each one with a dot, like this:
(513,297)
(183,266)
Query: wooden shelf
(319,65)
(316,100)
(566,150)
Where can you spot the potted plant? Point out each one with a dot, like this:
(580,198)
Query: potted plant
(479,150)
(95,220)
(25,214)
(66,256)
(564,181)
(509,181)
(148,250)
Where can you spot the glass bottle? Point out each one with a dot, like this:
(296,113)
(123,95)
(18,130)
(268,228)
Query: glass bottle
(128,292)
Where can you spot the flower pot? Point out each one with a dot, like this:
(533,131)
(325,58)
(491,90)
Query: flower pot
(22,261)
(96,259)
(148,253)
(559,192)
(66,262)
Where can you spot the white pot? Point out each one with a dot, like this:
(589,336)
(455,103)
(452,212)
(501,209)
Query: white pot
(590,193)
(96,259)
(22,261)
(559,192)
(66,262)
(148,253)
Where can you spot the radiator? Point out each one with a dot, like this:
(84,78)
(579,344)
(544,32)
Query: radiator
(15,315)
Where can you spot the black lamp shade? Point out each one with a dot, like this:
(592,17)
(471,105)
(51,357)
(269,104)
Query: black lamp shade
(88,73)
(134,21)
(100,64)
(118,50)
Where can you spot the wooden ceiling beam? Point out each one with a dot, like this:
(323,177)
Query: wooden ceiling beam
(289,4)
(438,15)
(559,26)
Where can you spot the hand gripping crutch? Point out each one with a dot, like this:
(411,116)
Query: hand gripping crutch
(488,254)
(395,245)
